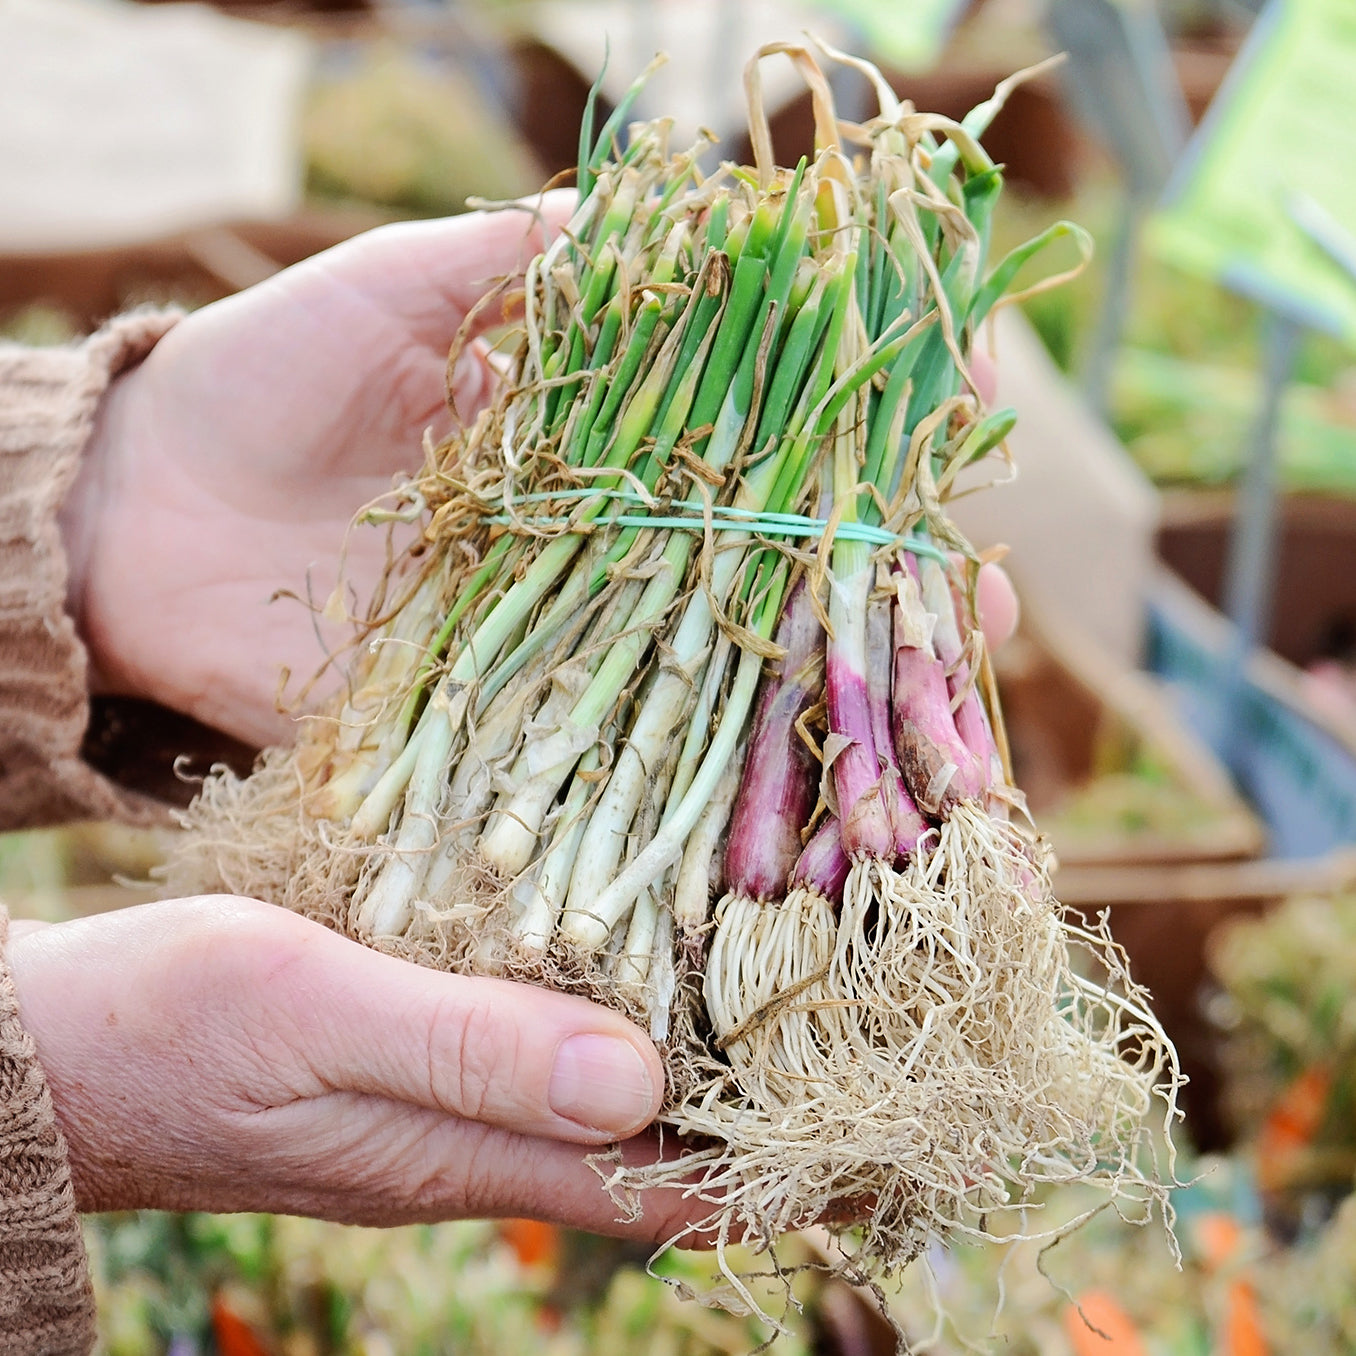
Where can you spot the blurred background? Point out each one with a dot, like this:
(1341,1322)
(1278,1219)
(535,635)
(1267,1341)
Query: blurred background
(1181,697)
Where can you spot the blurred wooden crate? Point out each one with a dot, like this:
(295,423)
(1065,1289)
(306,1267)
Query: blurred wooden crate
(1295,756)
(1315,582)
(1080,721)
(1289,732)
(1164,915)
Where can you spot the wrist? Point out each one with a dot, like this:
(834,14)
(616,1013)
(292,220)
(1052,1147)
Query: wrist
(32,1002)
(89,510)
(83,521)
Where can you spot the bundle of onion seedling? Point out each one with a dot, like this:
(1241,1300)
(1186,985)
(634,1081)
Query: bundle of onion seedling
(680,700)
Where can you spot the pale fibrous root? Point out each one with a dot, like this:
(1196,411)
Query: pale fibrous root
(937,1055)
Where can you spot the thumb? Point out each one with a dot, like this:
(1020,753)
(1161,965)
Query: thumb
(429,275)
(506,1054)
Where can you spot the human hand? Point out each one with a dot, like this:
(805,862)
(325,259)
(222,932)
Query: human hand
(222,1054)
(228,466)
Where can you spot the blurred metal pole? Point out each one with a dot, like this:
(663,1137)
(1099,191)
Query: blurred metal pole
(1325,231)
(1250,572)
(1122,83)
(1113,309)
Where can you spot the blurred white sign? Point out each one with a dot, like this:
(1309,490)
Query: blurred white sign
(707,43)
(121,122)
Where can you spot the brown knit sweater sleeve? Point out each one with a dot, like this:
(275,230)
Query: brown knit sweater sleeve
(46,1303)
(48,401)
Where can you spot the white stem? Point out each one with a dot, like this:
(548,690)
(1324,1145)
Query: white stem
(633,967)
(666,847)
(663,979)
(387,908)
(441,722)
(514,826)
(699,723)
(441,870)
(493,736)
(538,773)
(605,838)
(651,733)
(373,816)
(699,873)
(367,729)
(357,772)
(392,657)
(543,894)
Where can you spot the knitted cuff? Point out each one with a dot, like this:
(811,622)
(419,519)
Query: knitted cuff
(48,401)
(46,1303)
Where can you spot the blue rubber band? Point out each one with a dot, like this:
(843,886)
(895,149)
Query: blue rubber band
(722,518)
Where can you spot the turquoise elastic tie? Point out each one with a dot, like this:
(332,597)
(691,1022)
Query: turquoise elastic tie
(723,517)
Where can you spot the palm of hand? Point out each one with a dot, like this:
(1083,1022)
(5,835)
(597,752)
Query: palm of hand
(228,466)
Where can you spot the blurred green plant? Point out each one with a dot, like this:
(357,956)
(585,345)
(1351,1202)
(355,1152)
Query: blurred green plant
(38,325)
(390,127)
(1287,1009)
(292,1287)
(1185,382)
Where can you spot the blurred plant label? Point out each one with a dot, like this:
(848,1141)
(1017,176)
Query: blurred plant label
(122,122)
(909,35)
(1265,198)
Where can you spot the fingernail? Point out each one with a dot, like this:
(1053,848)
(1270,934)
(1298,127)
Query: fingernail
(602,1083)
